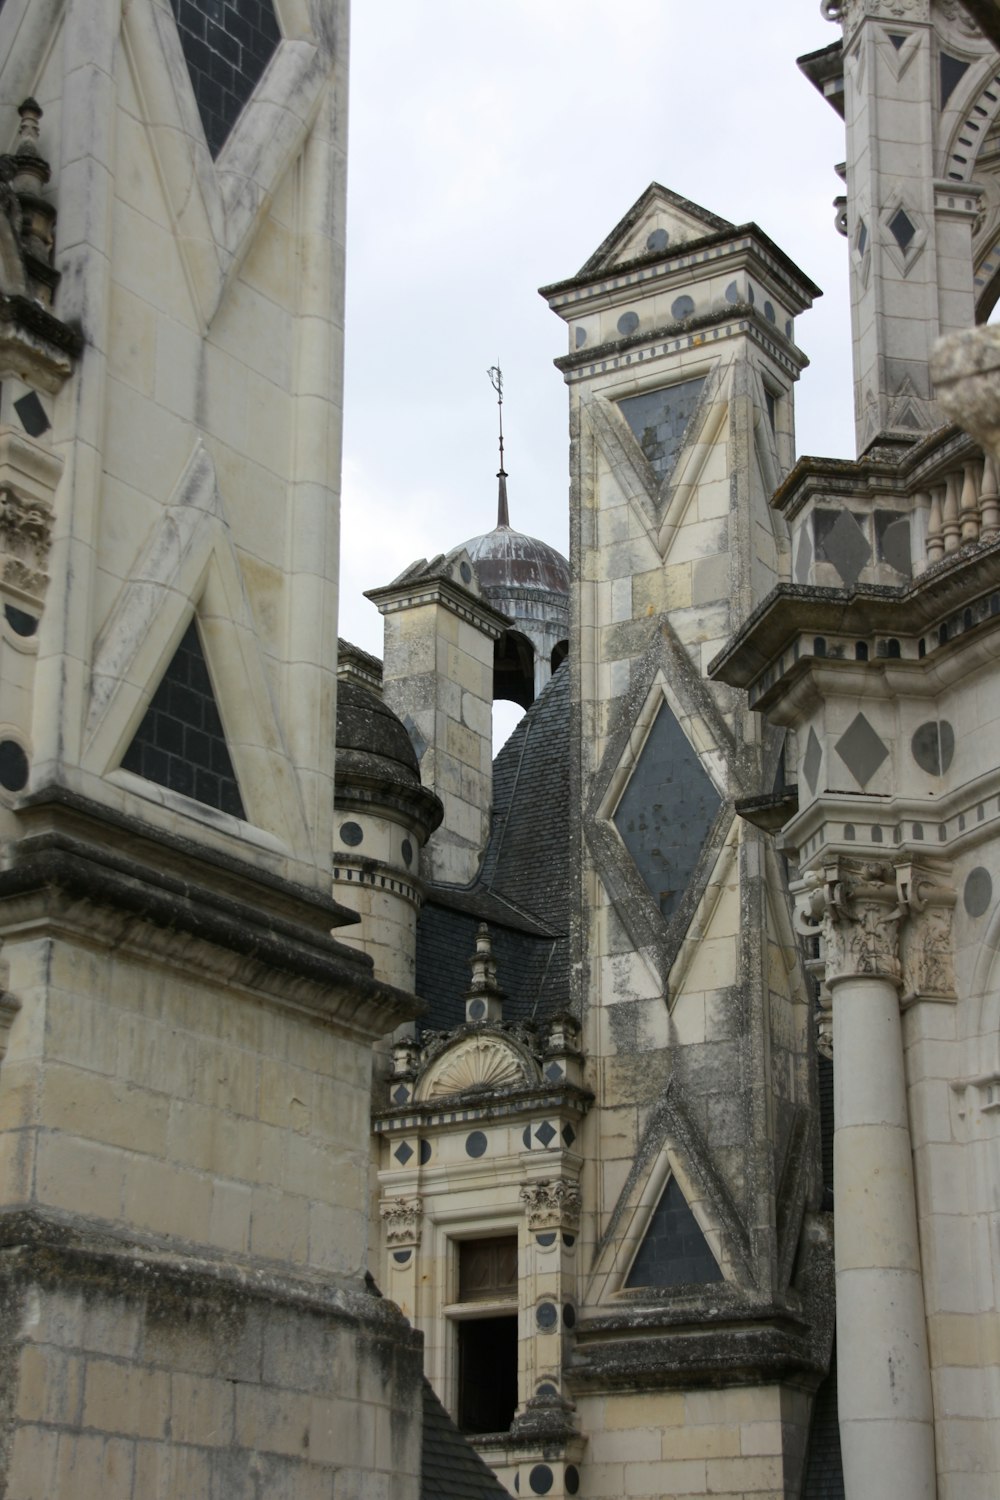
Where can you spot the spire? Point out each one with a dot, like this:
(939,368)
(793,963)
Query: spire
(496,381)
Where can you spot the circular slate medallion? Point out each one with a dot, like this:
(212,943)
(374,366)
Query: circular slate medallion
(546,1239)
(569,1240)
(933,746)
(406,849)
(572,1479)
(352,834)
(20,622)
(546,1388)
(541,1479)
(546,1316)
(401,1257)
(569,1315)
(628,323)
(13,766)
(682,307)
(425,1153)
(978,892)
(769,311)
(475,1144)
(658,240)
(477,1010)
(732,292)
(466,572)
(581,337)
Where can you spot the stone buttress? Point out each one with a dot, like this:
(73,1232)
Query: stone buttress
(703,1298)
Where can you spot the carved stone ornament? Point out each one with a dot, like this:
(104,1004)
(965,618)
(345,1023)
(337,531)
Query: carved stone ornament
(958,18)
(403,1219)
(481,1063)
(850,12)
(887,921)
(854,906)
(25,535)
(552,1205)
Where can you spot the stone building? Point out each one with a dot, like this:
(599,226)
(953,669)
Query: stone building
(757,935)
(186,1049)
(745,826)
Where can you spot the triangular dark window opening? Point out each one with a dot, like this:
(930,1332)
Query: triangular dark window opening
(180,743)
(674,1251)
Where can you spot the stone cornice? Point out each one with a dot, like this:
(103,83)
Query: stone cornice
(867,611)
(443,590)
(124,897)
(732,239)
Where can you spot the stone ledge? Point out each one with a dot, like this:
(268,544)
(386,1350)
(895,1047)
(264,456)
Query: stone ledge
(65,878)
(40,1250)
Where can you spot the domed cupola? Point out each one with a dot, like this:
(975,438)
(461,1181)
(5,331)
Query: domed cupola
(528,581)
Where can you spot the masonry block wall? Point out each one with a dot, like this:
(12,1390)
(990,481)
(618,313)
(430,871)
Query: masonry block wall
(185,1079)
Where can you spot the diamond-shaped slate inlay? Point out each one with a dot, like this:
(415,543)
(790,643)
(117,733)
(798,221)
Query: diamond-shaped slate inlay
(554,1072)
(861,750)
(902,229)
(227,44)
(840,540)
(180,742)
(403,1152)
(674,1252)
(401,1095)
(568,1135)
(812,760)
(659,420)
(545,1133)
(666,811)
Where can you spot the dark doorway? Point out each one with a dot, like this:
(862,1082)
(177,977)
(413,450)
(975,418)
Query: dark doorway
(487,1373)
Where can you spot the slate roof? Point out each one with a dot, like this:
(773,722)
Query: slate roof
(824,1469)
(522,890)
(451,1469)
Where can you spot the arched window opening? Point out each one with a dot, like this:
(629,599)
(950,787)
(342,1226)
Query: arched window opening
(514,669)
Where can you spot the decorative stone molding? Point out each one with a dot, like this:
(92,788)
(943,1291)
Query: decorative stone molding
(25,536)
(851,12)
(854,907)
(959,18)
(403,1220)
(886,921)
(552,1205)
(477,1062)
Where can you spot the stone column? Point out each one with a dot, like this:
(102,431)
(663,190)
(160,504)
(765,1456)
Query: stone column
(884,1389)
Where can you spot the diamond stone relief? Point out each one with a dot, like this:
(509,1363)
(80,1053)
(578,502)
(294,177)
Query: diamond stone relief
(667,811)
(841,541)
(861,750)
(812,760)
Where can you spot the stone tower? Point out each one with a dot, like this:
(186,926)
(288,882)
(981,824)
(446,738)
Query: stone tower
(681,368)
(184,1088)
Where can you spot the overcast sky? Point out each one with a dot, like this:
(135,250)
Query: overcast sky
(494,144)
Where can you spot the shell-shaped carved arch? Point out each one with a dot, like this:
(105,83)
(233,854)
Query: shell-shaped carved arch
(477,1063)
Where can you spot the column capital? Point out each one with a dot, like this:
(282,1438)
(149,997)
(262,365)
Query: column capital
(403,1218)
(552,1205)
(878,919)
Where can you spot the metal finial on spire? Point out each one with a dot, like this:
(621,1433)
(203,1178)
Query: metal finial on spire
(496,381)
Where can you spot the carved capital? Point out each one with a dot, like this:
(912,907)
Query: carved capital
(854,909)
(552,1205)
(876,919)
(403,1218)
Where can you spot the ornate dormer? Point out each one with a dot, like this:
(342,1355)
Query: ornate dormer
(481,1206)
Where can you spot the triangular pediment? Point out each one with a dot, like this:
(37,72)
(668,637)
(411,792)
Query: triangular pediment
(658,221)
